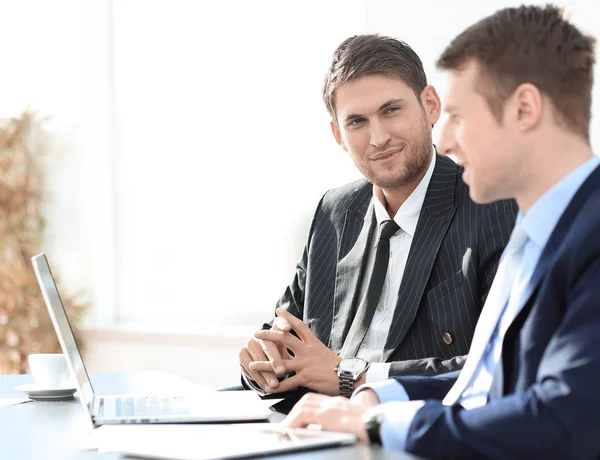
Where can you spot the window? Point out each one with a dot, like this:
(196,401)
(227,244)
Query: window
(223,149)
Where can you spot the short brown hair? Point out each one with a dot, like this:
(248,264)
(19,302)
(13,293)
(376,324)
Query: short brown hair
(530,44)
(363,55)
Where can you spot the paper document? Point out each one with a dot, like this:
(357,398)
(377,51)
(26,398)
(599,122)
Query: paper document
(207,442)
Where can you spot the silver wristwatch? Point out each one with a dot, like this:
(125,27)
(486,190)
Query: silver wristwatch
(349,371)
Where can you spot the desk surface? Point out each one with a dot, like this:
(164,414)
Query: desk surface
(54,429)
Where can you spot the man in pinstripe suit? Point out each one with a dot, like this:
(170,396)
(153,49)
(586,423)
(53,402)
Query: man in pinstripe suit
(442,259)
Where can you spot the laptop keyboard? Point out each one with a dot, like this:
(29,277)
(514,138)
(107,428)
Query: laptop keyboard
(150,406)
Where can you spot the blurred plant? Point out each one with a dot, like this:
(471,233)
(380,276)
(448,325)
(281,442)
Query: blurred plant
(25,325)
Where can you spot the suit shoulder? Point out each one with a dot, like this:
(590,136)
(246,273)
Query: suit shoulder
(355,195)
(586,224)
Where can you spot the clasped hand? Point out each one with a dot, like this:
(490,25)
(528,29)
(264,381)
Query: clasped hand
(267,356)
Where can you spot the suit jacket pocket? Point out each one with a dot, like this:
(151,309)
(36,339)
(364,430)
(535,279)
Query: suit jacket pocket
(447,286)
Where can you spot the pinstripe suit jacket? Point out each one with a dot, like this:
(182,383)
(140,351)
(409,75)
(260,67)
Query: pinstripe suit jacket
(450,267)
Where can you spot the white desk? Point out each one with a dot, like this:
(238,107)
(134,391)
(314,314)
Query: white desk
(53,430)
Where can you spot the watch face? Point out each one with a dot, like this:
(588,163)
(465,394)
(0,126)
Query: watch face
(353,365)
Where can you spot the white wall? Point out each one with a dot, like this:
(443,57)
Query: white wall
(147,133)
(207,359)
(224,150)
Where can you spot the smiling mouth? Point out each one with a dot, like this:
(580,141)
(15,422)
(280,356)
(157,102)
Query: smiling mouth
(386,155)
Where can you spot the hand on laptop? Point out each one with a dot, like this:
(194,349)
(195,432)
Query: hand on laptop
(267,352)
(313,363)
(333,413)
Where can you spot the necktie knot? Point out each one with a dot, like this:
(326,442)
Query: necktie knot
(387,228)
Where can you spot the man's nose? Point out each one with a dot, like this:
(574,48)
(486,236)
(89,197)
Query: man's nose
(380,136)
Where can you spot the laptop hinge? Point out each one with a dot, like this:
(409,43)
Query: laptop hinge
(97,406)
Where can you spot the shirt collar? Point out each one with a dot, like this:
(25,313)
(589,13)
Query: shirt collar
(543,216)
(408,214)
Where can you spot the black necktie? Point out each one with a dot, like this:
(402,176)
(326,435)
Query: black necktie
(366,310)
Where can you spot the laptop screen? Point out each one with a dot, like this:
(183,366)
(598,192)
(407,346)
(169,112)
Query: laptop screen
(63,328)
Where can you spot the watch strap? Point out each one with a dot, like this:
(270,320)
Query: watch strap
(346,383)
(373,427)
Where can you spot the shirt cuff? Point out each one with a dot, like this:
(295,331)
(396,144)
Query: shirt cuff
(386,390)
(397,418)
(377,372)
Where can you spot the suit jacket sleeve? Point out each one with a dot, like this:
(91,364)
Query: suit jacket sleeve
(425,387)
(497,225)
(558,416)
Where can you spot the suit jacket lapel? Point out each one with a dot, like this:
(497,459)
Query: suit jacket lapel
(351,267)
(542,267)
(436,215)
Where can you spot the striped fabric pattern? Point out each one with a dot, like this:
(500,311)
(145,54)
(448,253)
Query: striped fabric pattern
(450,267)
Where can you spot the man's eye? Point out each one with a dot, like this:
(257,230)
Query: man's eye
(392,110)
(355,122)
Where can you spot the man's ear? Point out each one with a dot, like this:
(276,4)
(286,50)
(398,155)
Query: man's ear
(431,103)
(527,106)
(335,129)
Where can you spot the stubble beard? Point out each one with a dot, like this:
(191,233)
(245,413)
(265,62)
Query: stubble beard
(413,168)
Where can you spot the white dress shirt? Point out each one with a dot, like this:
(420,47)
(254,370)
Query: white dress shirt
(407,217)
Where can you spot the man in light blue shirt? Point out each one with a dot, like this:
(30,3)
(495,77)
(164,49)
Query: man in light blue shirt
(519,104)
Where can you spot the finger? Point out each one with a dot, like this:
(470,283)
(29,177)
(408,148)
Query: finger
(291,365)
(295,420)
(255,349)
(256,352)
(261,366)
(284,338)
(299,326)
(305,412)
(289,384)
(245,360)
(282,324)
(285,353)
(271,350)
(300,418)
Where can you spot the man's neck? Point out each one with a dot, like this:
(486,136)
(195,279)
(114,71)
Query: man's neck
(394,198)
(548,168)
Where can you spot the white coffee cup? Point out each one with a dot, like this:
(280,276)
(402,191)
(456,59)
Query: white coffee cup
(50,370)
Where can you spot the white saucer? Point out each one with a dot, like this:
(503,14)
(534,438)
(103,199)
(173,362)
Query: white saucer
(45,394)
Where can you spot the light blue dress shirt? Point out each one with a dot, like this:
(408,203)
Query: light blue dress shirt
(538,223)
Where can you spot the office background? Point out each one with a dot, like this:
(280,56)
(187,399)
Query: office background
(189,149)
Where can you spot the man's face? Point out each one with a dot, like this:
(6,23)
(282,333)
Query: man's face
(483,146)
(381,123)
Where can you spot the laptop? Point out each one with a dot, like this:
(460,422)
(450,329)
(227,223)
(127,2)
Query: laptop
(206,406)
